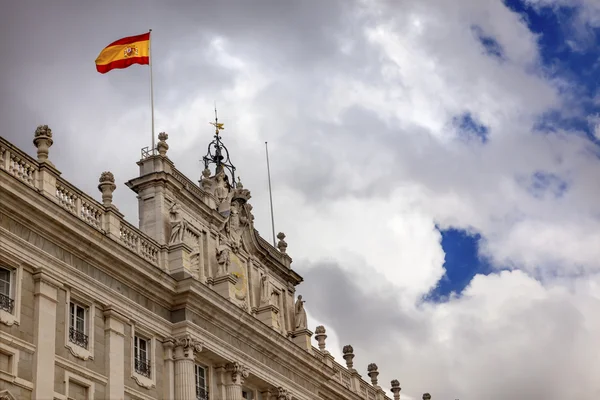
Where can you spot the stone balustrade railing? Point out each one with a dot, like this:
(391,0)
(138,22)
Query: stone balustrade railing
(344,376)
(27,170)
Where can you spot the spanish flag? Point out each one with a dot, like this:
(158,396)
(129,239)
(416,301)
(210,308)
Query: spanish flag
(124,52)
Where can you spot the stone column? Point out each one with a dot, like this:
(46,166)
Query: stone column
(186,348)
(44,334)
(114,336)
(235,373)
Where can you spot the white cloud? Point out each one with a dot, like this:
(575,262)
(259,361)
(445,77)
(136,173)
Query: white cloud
(364,164)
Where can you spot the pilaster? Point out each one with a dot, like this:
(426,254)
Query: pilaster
(302,338)
(112,222)
(225,286)
(269,315)
(169,369)
(44,334)
(186,348)
(46,183)
(114,335)
(179,261)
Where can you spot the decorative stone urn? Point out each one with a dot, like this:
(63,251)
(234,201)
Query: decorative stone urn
(282,244)
(162,145)
(396,389)
(373,373)
(320,336)
(43,141)
(107,187)
(348,352)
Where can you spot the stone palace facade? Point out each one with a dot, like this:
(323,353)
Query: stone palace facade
(192,304)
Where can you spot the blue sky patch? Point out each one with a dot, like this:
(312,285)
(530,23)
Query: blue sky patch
(462,263)
(470,129)
(489,43)
(543,183)
(569,55)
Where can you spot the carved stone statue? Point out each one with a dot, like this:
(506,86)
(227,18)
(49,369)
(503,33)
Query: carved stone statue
(223,261)
(178,224)
(222,189)
(264,288)
(300,314)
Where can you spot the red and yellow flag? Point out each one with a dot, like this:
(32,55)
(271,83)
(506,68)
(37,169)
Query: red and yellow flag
(124,52)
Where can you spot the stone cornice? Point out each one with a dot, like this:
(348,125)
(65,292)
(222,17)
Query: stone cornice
(82,240)
(202,300)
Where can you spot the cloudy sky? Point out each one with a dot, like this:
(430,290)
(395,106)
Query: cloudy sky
(434,163)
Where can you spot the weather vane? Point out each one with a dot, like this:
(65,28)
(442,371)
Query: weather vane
(218,125)
(218,154)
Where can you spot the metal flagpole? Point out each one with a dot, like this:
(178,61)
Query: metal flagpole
(151,91)
(270,193)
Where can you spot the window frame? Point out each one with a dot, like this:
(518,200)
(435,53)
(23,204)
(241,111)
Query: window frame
(205,370)
(89,384)
(15,270)
(142,380)
(79,299)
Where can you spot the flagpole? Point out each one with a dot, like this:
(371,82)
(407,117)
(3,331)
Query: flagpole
(151,90)
(270,193)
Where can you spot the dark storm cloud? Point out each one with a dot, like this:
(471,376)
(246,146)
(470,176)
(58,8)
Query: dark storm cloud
(338,297)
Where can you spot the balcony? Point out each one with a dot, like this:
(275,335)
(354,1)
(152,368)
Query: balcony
(6,303)
(79,338)
(142,367)
(201,394)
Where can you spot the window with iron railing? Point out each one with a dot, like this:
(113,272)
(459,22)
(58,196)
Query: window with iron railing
(6,302)
(201,387)
(141,351)
(78,325)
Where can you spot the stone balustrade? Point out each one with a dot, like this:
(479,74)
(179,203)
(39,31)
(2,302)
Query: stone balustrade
(26,169)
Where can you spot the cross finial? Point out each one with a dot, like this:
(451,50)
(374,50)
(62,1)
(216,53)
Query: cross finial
(218,125)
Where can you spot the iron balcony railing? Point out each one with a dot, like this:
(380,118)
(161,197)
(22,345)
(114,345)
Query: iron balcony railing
(6,303)
(142,367)
(201,394)
(78,337)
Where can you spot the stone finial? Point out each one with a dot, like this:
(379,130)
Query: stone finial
(426,396)
(373,373)
(107,187)
(282,244)
(396,389)
(320,336)
(348,352)
(43,140)
(162,145)
(239,184)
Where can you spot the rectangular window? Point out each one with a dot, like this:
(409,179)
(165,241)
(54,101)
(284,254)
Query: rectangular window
(6,302)
(78,325)
(141,351)
(201,388)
